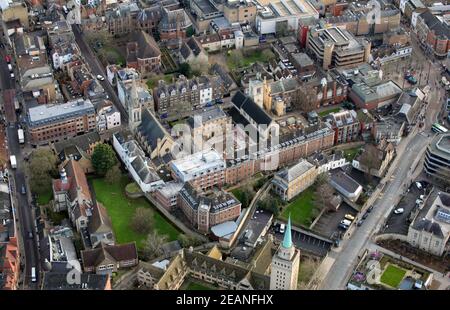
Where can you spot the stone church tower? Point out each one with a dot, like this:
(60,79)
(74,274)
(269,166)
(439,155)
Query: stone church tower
(134,107)
(285,264)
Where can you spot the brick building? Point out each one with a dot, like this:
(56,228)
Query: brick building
(206,210)
(52,123)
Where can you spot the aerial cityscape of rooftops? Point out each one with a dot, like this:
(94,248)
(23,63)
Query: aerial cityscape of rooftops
(225,145)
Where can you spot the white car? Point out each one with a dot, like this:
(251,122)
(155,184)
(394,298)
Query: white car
(101,78)
(399,211)
(419,185)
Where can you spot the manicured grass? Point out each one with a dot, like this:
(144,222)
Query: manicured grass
(326,112)
(195,286)
(350,154)
(44,197)
(132,188)
(121,210)
(301,208)
(393,275)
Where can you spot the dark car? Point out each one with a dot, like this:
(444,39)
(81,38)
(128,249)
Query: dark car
(370,209)
(360,223)
(30,235)
(365,215)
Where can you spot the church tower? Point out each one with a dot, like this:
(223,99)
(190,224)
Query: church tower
(285,264)
(134,107)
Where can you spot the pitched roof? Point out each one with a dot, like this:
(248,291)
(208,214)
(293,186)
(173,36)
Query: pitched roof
(83,142)
(433,23)
(118,252)
(99,221)
(242,102)
(429,226)
(151,129)
(58,281)
(147,46)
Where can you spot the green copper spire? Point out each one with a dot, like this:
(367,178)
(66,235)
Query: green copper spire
(287,240)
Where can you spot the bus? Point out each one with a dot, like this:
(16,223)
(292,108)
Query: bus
(438,128)
(33,274)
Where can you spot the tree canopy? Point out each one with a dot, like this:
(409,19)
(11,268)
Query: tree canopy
(103,158)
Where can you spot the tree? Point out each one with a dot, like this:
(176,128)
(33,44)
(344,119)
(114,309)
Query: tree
(185,69)
(42,168)
(113,175)
(306,99)
(323,195)
(237,58)
(322,178)
(154,245)
(268,55)
(142,220)
(103,158)
(369,159)
(188,241)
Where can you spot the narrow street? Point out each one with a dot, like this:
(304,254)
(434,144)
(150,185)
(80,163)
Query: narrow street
(24,210)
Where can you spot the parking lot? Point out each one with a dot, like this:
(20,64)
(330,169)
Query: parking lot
(308,242)
(329,221)
(398,223)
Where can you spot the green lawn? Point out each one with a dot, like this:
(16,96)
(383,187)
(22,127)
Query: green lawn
(326,112)
(195,286)
(118,55)
(393,275)
(350,154)
(44,198)
(121,210)
(300,208)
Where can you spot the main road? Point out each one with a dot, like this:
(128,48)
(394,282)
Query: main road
(23,208)
(398,178)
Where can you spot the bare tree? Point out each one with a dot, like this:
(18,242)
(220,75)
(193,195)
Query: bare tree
(369,159)
(142,220)
(324,194)
(154,245)
(306,99)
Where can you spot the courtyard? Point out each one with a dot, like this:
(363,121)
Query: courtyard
(301,209)
(121,209)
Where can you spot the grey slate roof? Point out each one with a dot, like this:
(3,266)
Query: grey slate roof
(151,129)
(429,226)
(433,23)
(242,102)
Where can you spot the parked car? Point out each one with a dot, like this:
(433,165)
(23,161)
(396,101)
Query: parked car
(360,222)
(370,209)
(100,78)
(399,211)
(343,226)
(349,217)
(23,190)
(365,215)
(30,235)
(419,185)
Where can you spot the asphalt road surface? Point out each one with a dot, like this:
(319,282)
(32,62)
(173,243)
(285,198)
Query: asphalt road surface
(98,69)
(23,210)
